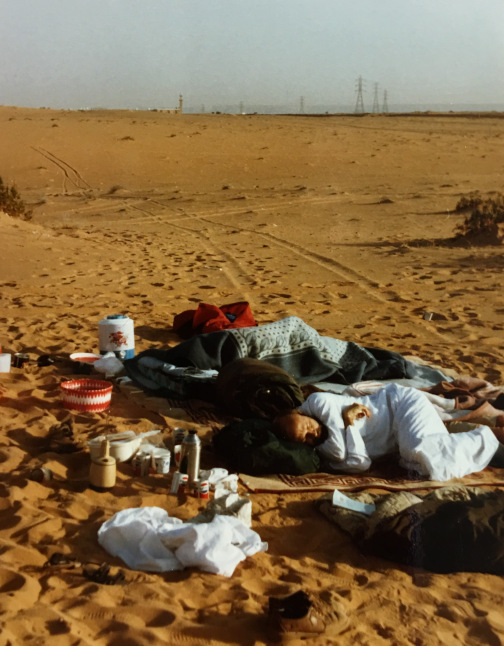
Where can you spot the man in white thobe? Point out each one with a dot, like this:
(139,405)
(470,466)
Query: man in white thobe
(350,432)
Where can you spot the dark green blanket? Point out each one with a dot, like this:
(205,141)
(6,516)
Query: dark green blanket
(250,446)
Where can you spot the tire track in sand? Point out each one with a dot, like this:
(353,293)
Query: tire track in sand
(372,288)
(231,276)
(69,172)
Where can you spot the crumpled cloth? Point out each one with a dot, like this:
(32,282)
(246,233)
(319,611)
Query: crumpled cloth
(148,539)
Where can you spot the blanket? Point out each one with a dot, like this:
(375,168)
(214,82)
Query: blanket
(290,344)
(454,529)
(210,318)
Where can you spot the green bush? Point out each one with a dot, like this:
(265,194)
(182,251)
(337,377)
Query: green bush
(11,202)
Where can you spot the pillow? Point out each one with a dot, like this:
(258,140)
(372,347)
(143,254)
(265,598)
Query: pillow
(250,446)
(255,388)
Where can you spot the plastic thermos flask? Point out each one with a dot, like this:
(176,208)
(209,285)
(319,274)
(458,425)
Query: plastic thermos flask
(191,449)
(102,474)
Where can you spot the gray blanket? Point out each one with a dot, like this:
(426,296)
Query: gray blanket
(290,344)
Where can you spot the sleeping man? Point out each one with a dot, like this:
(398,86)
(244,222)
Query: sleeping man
(350,432)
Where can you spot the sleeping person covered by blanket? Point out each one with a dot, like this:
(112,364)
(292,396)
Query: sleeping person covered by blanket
(350,432)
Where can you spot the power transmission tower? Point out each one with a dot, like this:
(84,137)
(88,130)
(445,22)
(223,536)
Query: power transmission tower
(376,105)
(385,104)
(301,105)
(359,104)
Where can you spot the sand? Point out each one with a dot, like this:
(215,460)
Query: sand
(343,221)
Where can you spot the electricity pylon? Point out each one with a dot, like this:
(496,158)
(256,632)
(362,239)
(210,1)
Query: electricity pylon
(359,104)
(385,104)
(376,105)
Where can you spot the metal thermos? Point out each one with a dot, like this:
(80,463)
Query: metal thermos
(191,449)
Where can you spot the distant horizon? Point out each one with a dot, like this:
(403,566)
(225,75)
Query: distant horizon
(284,108)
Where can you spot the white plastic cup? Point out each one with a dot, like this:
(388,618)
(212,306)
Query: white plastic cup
(5,362)
(161,458)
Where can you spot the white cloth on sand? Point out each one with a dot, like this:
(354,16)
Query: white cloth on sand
(147,538)
(402,419)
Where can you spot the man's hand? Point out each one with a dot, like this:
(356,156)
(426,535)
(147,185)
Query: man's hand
(353,412)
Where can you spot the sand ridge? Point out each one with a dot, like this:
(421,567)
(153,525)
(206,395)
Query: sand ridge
(343,221)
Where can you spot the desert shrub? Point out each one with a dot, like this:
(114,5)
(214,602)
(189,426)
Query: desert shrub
(11,202)
(469,201)
(486,213)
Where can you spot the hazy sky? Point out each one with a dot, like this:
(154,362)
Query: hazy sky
(143,53)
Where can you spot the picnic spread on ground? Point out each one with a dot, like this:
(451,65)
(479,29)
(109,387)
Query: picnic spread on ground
(446,430)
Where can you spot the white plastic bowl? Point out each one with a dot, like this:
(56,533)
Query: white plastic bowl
(123,446)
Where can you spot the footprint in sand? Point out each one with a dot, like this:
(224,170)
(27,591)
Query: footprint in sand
(17,591)
(58,626)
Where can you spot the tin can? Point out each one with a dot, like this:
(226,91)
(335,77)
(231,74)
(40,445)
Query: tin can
(175,482)
(19,359)
(178,436)
(203,489)
(177,454)
(141,463)
(40,474)
(161,459)
(182,483)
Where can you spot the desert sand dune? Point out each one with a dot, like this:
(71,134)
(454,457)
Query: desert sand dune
(343,221)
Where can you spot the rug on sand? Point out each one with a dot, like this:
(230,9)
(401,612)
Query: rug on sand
(387,476)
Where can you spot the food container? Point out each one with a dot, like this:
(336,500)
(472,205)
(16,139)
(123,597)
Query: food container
(122,446)
(116,334)
(85,357)
(87,394)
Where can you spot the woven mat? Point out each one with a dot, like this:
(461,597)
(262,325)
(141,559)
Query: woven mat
(385,480)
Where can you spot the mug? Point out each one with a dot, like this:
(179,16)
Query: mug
(5,362)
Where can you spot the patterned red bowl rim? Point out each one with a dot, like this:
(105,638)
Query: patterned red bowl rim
(87,386)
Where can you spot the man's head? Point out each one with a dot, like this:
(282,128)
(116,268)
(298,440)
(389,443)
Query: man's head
(297,427)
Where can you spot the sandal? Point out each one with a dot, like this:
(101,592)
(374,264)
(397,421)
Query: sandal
(92,571)
(296,616)
(101,574)
(62,560)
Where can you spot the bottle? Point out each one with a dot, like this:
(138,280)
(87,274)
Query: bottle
(102,473)
(191,449)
